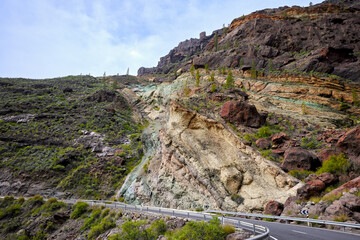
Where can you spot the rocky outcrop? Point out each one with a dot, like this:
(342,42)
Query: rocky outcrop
(355,183)
(199,162)
(263,143)
(240,112)
(178,54)
(300,159)
(311,188)
(279,138)
(274,208)
(276,39)
(350,142)
(325,154)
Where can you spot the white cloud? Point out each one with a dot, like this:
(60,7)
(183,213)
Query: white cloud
(49,38)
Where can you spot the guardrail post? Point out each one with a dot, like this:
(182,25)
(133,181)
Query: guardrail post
(159,210)
(254,229)
(239,223)
(125,206)
(205,217)
(344,228)
(188,215)
(173,213)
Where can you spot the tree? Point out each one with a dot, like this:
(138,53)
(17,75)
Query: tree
(175,72)
(253,71)
(212,77)
(206,68)
(213,87)
(270,65)
(197,78)
(192,69)
(241,63)
(304,109)
(223,70)
(114,84)
(229,80)
(216,41)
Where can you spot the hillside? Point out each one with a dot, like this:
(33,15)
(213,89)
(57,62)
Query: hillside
(260,116)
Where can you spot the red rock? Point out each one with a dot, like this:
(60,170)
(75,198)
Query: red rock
(279,151)
(324,154)
(300,159)
(274,208)
(310,178)
(327,178)
(311,188)
(279,138)
(355,183)
(349,143)
(263,143)
(240,112)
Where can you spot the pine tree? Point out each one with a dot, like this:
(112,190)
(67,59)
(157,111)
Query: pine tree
(216,42)
(212,77)
(253,70)
(229,80)
(192,69)
(206,68)
(197,78)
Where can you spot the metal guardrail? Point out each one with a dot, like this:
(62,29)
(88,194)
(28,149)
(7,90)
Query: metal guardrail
(308,220)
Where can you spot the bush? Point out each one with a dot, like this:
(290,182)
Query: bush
(79,209)
(228,229)
(344,106)
(158,228)
(237,198)
(201,230)
(133,231)
(104,225)
(341,218)
(264,132)
(336,165)
(229,80)
(92,219)
(300,174)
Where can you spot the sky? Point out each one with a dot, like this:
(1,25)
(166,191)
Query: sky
(53,38)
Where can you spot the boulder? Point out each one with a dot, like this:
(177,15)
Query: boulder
(327,178)
(336,209)
(263,143)
(300,159)
(311,188)
(349,143)
(274,208)
(325,154)
(241,112)
(355,183)
(350,201)
(279,138)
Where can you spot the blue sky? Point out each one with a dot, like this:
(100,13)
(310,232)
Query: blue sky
(52,38)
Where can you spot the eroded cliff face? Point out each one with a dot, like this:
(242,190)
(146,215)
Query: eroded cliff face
(198,161)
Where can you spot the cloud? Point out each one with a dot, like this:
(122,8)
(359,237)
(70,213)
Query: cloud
(49,38)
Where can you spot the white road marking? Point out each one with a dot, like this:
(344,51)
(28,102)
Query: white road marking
(273,238)
(298,232)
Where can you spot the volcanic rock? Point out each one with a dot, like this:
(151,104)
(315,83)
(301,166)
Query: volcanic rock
(325,154)
(350,143)
(300,159)
(263,143)
(274,208)
(312,188)
(279,138)
(240,112)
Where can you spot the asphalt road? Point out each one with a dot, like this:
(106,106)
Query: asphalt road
(283,231)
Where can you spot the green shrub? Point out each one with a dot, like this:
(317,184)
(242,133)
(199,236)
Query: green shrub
(336,165)
(332,197)
(264,132)
(310,143)
(105,224)
(79,209)
(341,218)
(197,78)
(213,87)
(133,231)
(228,229)
(201,230)
(158,227)
(92,219)
(300,174)
(206,68)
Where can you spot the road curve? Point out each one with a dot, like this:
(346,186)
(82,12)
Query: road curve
(283,231)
